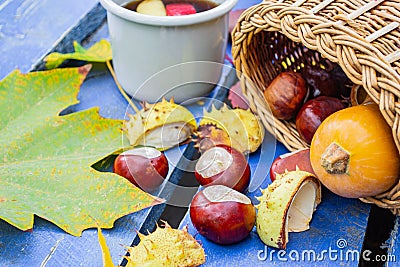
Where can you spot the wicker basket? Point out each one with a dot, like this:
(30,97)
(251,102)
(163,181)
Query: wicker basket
(362,37)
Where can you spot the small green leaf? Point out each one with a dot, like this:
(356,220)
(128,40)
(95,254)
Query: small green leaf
(45,159)
(99,52)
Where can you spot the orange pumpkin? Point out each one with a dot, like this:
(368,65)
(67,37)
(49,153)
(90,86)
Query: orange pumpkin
(353,152)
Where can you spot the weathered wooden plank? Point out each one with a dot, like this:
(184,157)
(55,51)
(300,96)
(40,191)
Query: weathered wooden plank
(393,247)
(29,29)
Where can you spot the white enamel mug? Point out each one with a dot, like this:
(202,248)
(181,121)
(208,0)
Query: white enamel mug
(170,56)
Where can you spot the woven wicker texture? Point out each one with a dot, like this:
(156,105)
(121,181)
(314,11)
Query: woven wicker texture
(362,37)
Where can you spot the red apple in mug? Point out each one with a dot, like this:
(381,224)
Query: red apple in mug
(222,215)
(145,167)
(223,165)
(180,9)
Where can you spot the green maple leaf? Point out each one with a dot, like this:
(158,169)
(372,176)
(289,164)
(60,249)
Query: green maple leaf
(99,52)
(45,159)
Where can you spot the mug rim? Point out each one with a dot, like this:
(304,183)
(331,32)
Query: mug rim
(200,17)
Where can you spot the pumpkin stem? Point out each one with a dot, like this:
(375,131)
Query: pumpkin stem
(335,159)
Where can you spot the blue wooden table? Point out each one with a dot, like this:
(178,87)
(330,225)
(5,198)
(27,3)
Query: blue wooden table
(341,232)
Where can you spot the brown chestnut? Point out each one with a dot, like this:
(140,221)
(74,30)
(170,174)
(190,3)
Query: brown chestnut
(145,167)
(320,82)
(313,112)
(222,214)
(286,94)
(331,81)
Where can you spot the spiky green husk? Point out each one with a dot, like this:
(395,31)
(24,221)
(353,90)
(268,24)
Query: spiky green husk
(166,247)
(161,116)
(277,208)
(243,128)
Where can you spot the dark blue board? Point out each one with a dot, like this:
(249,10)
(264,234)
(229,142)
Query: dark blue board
(393,247)
(29,29)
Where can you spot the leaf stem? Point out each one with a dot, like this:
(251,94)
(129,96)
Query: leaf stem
(111,69)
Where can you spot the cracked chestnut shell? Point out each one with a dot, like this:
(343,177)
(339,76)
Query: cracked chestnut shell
(222,215)
(223,165)
(145,167)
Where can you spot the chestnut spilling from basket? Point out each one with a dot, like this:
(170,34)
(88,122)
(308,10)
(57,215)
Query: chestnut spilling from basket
(326,75)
